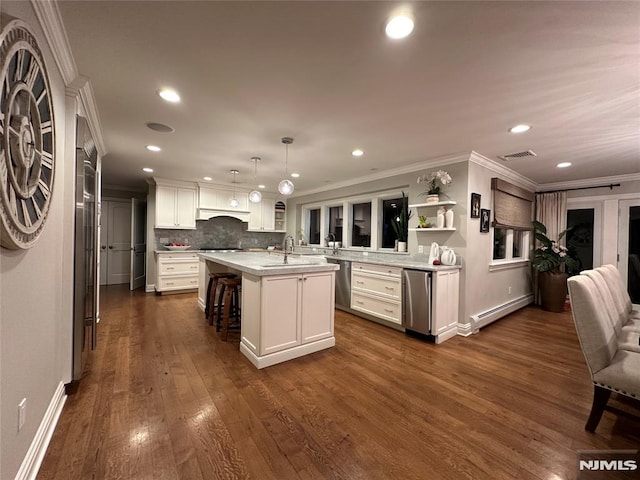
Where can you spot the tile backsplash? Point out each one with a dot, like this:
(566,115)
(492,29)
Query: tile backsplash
(218,232)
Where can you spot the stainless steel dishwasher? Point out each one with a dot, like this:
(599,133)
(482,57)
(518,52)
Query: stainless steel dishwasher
(343,283)
(416,287)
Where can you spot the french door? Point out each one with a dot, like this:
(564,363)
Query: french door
(629,246)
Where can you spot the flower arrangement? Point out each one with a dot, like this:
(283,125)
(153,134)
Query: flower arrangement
(433,179)
(551,256)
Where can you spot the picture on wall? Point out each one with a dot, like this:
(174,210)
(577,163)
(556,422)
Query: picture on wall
(475,205)
(485,215)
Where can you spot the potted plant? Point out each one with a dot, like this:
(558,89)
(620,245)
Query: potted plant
(552,261)
(401,224)
(434,180)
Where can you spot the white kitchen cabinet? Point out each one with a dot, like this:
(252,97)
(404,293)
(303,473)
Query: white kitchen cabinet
(175,206)
(286,315)
(377,290)
(262,215)
(177,272)
(445,295)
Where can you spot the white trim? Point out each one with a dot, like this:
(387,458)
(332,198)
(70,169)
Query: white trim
(52,25)
(483,319)
(33,459)
(590,182)
(507,264)
(506,172)
(382,174)
(150,288)
(466,329)
(51,22)
(288,354)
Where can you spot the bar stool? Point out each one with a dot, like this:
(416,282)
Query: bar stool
(211,308)
(228,298)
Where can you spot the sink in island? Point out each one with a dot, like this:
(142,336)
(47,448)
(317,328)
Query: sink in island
(287,309)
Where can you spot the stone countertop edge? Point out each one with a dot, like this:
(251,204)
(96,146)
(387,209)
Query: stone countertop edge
(253,263)
(177,251)
(397,263)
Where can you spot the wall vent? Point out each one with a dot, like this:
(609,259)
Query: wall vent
(511,156)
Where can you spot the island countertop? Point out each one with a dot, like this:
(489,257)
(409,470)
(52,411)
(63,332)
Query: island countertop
(263,264)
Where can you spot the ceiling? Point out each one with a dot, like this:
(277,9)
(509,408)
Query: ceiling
(324,73)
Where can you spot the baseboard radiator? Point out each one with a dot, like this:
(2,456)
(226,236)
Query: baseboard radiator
(483,319)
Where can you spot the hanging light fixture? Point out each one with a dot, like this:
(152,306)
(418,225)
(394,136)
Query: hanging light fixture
(234,203)
(285,187)
(255,196)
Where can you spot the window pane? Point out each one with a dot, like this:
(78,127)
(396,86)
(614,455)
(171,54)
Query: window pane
(518,235)
(335,222)
(580,237)
(499,243)
(361,229)
(314,226)
(390,211)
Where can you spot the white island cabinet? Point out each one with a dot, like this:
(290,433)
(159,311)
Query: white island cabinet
(287,309)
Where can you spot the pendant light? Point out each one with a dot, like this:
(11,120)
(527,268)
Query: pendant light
(255,196)
(234,203)
(285,187)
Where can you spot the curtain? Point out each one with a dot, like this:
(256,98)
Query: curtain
(551,210)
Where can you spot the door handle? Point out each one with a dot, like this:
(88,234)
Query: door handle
(110,247)
(103,247)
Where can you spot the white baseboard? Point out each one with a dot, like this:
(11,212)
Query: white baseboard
(288,354)
(149,288)
(483,319)
(35,454)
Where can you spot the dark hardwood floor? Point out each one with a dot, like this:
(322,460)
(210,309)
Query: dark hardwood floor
(164,398)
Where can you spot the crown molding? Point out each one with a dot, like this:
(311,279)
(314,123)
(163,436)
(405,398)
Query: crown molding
(506,172)
(48,15)
(414,167)
(589,182)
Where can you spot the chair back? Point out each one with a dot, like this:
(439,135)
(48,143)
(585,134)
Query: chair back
(597,335)
(617,286)
(616,317)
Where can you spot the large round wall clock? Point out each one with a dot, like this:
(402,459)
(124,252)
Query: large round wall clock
(27,137)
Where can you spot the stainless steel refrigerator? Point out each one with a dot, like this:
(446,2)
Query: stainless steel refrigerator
(85,293)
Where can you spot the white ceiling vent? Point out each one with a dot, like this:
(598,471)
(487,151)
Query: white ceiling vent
(511,156)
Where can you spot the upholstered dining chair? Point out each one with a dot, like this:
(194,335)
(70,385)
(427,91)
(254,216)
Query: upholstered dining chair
(612,369)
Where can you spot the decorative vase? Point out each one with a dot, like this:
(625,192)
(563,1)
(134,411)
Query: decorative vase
(402,246)
(448,219)
(433,198)
(553,290)
(440,218)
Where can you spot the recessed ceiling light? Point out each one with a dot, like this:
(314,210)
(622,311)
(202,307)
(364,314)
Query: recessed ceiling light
(399,26)
(147,169)
(295,175)
(520,128)
(208,179)
(563,164)
(153,148)
(169,94)
(357,153)
(262,186)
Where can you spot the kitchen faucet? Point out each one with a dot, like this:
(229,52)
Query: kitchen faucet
(285,243)
(332,237)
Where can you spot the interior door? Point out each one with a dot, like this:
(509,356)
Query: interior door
(119,243)
(629,246)
(138,242)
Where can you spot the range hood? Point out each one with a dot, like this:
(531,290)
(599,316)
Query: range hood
(207,213)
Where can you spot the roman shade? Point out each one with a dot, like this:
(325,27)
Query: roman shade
(512,205)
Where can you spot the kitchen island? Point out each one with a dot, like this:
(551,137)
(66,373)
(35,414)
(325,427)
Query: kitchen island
(287,309)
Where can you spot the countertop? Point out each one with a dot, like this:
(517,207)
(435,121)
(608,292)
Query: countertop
(264,264)
(399,262)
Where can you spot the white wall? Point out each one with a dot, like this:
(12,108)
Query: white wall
(484,289)
(36,295)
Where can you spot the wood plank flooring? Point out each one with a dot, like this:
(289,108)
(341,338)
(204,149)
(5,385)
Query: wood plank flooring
(164,398)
